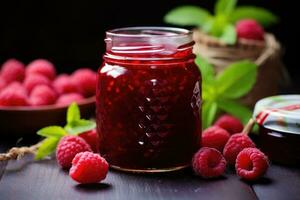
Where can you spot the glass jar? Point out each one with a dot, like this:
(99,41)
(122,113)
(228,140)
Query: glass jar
(278,118)
(148,99)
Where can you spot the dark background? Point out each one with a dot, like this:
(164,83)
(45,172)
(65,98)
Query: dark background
(71,33)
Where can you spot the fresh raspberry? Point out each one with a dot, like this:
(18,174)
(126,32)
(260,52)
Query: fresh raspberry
(230,124)
(42,95)
(215,137)
(68,147)
(42,67)
(235,145)
(88,167)
(86,81)
(13,70)
(67,99)
(13,95)
(92,138)
(251,164)
(249,29)
(2,83)
(208,163)
(34,80)
(64,84)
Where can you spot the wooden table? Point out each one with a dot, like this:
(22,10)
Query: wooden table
(43,180)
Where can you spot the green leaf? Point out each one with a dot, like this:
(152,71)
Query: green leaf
(225,7)
(237,79)
(229,35)
(218,25)
(207,70)
(47,147)
(52,131)
(236,109)
(80,126)
(187,16)
(209,111)
(73,113)
(261,15)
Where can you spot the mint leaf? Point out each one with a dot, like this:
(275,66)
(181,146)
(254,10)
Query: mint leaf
(207,70)
(236,109)
(229,35)
(225,7)
(237,79)
(73,113)
(187,16)
(80,126)
(209,111)
(219,23)
(261,15)
(47,147)
(52,131)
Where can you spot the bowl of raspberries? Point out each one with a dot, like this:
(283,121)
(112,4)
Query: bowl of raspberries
(34,96)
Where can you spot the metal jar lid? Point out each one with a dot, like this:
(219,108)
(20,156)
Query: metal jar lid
(279,113)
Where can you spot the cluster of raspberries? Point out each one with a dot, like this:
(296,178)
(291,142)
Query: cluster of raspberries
(37,84)
(80,155)
(225,143)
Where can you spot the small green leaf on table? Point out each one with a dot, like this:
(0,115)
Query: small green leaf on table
(209,111)
(225,7)
(47,147)
(73,113)
(80,126)
(52,131)
(229,35)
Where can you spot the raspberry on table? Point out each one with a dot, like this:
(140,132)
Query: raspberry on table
(64,84)
(2,83)
(208,163)
(215,137)
(249,29)
(34,80)
(66,99)
(42,95)
(41,67)
(230,123)
(13,95)
(251,164)
(68,147)
(235,145)
(88,167)
(85,79)
(13,70)
(92,138)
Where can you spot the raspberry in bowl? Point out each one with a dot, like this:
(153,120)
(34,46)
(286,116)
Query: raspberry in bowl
(32,96)
(148,100)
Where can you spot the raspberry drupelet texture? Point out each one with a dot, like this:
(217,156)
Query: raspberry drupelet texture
(13,70)
(235,145)
(251,164)
(86,81)
(215,137)
(64,84)
(42,95)
(13,95)
(67,99)
(2,83)
(31,81)
(208,163)
(68,147)
(92,138)
(230,123)
(88,167)
(42,67)
(249,29)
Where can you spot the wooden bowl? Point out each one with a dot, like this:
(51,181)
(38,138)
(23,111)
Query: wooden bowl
(21,121)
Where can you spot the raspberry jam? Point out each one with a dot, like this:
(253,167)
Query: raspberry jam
(148,100)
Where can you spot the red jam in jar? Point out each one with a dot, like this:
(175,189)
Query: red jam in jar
(149,99)
(278,118)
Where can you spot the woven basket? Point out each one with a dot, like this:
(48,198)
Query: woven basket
(266,54)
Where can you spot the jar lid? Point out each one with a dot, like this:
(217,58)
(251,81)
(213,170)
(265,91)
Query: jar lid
(280,113)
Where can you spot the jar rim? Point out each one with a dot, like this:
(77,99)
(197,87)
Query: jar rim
(148,32)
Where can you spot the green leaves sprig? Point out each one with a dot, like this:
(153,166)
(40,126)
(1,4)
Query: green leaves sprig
(75,125)
(221,92)
(221,24)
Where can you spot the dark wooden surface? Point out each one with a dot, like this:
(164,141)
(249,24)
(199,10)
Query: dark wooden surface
(25,179)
